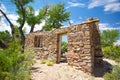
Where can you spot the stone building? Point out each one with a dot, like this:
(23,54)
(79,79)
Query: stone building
(84,49)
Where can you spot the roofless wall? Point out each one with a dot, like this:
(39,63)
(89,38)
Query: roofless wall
(84,50)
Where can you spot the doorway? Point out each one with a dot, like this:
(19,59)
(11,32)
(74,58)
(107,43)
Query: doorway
(62,48)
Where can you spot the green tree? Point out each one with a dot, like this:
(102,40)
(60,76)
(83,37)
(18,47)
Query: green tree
(114,75)
(64,47)
(4,39)
(21,6)
(13,64)
(33,19)
(108,37)
(56,15)
(11,24)
(21,10)
(5,36)
(112,52)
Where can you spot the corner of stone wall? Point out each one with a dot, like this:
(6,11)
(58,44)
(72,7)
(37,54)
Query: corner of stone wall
(95,41)
(79,48)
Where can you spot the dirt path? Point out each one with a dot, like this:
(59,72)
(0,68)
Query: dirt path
(60,72)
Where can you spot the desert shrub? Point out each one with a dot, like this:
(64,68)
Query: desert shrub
(112,52)
(108,37)
(5,35)
(15,65)
(115,75)
(43,61)
(49,63)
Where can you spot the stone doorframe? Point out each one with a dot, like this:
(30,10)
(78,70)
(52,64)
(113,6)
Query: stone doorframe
(59,41)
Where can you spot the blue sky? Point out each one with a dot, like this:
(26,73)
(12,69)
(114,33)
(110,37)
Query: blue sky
(107,11)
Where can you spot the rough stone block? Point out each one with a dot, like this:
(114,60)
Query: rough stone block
(87,33)
(86,43)
(87,46)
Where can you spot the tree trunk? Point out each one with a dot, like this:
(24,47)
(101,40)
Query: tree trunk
(22,9)
(22,38)
(3,44)
(11,24)
(32,28)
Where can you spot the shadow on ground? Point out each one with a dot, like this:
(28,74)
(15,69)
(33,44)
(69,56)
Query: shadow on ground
(100,70)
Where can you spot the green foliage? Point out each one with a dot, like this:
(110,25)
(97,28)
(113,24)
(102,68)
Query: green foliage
(4,35)
(33,19)
(64,47)
(23,9)
(15,65)
(112,52)
(56,15)
(23,2)
(108,37)
(30,17)
(115,75)
(17,30)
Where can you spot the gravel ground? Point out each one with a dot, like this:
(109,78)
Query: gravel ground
(61,71)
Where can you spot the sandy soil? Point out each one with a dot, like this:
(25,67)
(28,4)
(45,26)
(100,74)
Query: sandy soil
(63,71)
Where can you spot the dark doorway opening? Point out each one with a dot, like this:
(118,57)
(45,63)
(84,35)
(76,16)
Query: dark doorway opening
(63,48)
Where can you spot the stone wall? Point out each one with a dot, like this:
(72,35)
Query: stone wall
(84,50)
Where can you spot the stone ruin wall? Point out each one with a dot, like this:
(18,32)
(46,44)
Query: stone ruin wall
(84,50)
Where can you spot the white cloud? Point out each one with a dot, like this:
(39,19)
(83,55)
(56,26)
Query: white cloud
(109,5)
(39,26)
(27,28)
(71,21)
(117,43)
(75,4)
(95,4)
(13,18)
(114,7)
(36,12)
(105,26)
(4,26)
(3,23)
